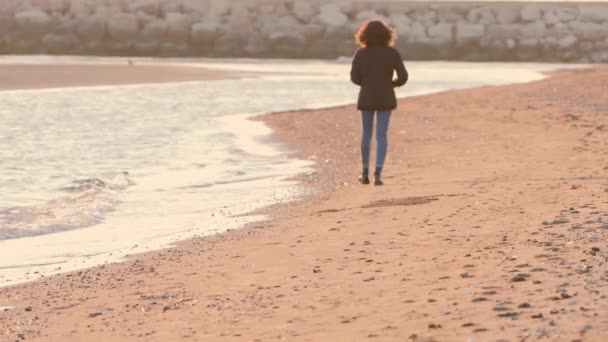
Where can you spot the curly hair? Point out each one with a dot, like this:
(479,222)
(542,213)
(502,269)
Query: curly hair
(375,33)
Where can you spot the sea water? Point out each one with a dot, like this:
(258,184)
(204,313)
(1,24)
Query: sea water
(91,175)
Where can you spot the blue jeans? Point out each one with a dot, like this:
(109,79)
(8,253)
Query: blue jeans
(381,136)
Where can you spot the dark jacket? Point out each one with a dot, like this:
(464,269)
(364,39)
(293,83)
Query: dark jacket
(372,69)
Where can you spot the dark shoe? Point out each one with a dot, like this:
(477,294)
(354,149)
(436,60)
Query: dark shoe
(378,180)
(364,179)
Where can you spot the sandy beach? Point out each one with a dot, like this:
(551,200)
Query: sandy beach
(38,76)
(492,227)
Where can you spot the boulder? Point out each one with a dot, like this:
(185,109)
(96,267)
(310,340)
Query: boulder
(80,8)
(204,33)
(534,30)
(449,15)
(566,14)
(58,43)
(59,6)
(255,46)
(558,32)
(507,14)
(154,31)
(337,33)
(288,44)
(503,32)
(217,9)
(332,16)
(91,28)
(313,31)
(531,12)
(529,43)
(143,19)
(589,31)
(371,15)
(146,47)
(441,33)
(122,26)
(468,33)
(567,42)
(483,15)
(428,17)
(417,33)
(401,23)
(270,25)
(303,11)
(33,22)
(594,13)
(178,26)
(194,7)
(150,7)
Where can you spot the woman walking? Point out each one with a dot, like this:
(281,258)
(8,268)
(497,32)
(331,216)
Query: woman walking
(373,67)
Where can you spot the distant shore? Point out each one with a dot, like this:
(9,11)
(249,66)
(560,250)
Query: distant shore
(492,226)
(42,76)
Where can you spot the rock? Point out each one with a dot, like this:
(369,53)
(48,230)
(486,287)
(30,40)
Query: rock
(589,31)
(303,11)
(371,15)
(154,31)
(91,27)
(467,33)
(594,13)
(95,314)
(507,15)
(273,25)
(401,23)
(178,26)
(417,33)
(204,33)
(558,32)
(337,33)
(534,30)
(287,44)
(449,15)
(504,31)
(150,7)
(122,26)
(332,16)
(428,18)
(144,19)
(146,47)
(567,42)
(483,15)
(194,7)
(255,46)
(33,22)
(217,8)
(58,43)
(531,12)
(321,48)
(80,8)
(59,6)
(441,33)
(313,31)
(225,46)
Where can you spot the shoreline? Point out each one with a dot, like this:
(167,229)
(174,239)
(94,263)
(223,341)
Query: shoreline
(319,209)
(38,76)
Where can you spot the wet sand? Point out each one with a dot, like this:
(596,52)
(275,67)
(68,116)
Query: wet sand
(492,227)
(38,76)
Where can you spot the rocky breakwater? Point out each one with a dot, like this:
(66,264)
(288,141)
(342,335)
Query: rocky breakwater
(575,32)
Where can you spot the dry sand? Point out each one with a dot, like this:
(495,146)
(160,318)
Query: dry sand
(492,227)
(37,76)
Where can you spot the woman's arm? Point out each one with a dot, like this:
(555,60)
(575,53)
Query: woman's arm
(355,71)
(402,74)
